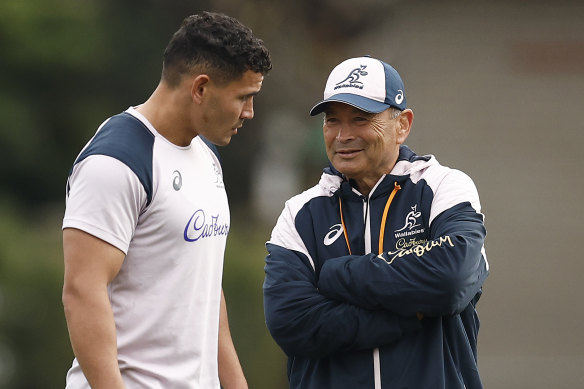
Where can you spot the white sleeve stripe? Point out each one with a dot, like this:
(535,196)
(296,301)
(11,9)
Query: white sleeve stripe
(450,189)
(285,233)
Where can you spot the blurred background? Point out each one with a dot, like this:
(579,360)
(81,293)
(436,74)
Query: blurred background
(497,88)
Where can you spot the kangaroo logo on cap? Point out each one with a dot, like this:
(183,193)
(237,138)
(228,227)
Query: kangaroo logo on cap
(353,78)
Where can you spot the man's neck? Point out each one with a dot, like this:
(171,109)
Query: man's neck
(165,110)
(366,185)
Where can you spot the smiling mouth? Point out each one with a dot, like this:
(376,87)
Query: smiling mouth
(348,153)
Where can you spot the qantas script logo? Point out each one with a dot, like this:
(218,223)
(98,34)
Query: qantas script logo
(334,233)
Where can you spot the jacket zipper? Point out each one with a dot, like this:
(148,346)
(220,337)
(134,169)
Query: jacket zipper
(367,221)
(396,187)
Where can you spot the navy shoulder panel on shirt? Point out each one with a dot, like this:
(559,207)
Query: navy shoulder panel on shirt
(126,139)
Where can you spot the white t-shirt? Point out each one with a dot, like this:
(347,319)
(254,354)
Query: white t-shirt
(165,206)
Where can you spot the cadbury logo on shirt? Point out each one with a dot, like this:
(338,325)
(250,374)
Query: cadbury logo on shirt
(198,227)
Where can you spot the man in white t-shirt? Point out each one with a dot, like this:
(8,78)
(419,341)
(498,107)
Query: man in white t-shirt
(147,218)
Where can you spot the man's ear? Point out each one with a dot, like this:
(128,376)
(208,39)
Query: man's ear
(199,88)
(406,118)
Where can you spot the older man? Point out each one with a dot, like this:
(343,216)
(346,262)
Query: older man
(373,275)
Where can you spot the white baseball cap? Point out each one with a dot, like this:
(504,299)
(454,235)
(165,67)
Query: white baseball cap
(365,83)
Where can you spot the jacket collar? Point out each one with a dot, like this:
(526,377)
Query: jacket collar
(334,180)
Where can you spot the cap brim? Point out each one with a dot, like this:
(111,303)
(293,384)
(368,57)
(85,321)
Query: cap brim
(360,102)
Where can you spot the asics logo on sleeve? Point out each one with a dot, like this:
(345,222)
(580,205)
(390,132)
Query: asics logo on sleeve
(333,234)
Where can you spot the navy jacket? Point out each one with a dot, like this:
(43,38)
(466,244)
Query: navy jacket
(348,276)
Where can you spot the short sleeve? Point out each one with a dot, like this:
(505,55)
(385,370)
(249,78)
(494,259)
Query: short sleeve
(105,199)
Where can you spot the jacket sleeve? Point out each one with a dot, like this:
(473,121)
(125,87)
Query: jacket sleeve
(305,323)
(439,277)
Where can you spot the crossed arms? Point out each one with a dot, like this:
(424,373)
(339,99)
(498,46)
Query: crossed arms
(363,302)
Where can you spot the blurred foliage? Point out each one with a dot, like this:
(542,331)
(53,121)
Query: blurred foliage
(66,66)
(34,345)
(264,364)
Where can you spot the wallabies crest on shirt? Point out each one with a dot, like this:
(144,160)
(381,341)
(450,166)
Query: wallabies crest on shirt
(411,219)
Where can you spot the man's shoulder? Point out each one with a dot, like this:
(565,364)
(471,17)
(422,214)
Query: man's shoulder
(428,169)
(440,176)
(127,139)
(326,187)
(123,137)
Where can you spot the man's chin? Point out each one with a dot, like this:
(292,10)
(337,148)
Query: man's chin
(224,141)
(348,169)
(219,141)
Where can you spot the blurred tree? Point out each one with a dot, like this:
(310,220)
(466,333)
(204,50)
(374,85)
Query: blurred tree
(263,362)
(46,45)
(66,66)
(34,346)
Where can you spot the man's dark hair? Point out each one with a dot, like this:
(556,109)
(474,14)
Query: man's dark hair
(214,44)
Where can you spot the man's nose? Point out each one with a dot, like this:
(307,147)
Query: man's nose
(345,134)
(247,112)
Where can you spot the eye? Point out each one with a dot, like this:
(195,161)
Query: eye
(360,120)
